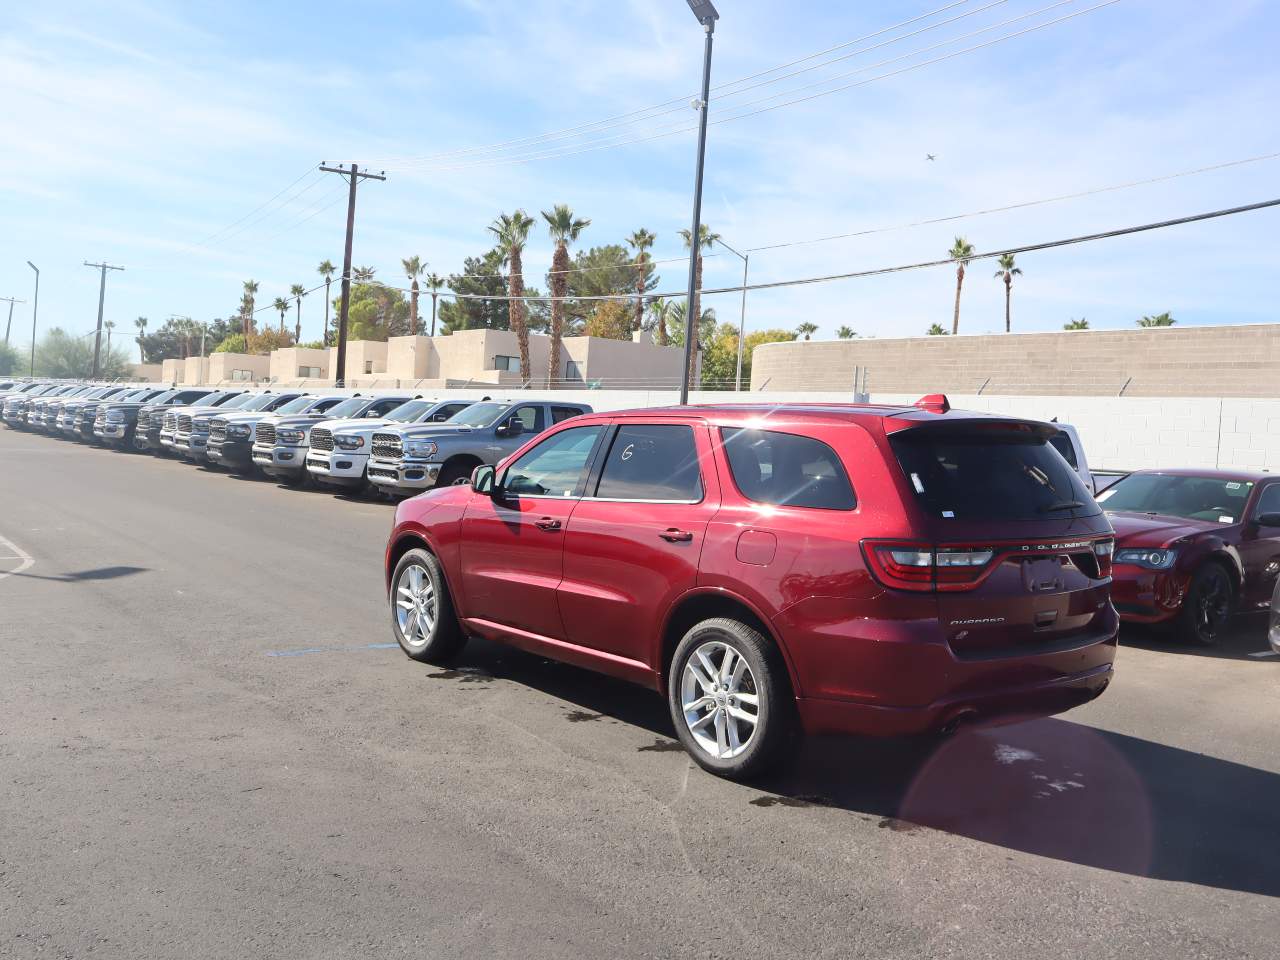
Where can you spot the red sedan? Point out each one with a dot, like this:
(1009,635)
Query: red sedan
(1193,547)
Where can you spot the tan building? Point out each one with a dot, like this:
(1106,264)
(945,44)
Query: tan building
(1234,361)
(299,363)
(238,368)
(148,372)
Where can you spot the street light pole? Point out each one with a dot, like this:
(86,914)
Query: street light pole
(742,311)
(707,16)
(35,311)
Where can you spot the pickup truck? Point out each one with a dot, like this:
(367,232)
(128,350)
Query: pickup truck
(345,465)
(18,403)
(409,459)
(224,399)
(45,410)
(142,425)
(232,436)
(80,422)
(1067,442)
(60,417)
(239,423)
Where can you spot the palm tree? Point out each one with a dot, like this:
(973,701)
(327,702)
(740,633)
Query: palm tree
(937,330)
(413,268)
(961,252)
(640,241)
(281,304)
(512,232)
(298,291)
(250,290)
(326,270)
(141,324)
(806,329)
(659,311)
(1007,271)
(564,228)
(109,325)
(434,284)
(363,274)
(846,333)
(1159,320)
(1081,324)
(706,240)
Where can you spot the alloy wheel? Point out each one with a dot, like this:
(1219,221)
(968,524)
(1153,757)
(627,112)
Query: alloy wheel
(415,605)
(719,699)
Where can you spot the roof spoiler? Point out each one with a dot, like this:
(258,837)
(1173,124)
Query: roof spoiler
(934,403)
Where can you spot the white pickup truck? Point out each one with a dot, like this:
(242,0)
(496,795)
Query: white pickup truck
(1067,442)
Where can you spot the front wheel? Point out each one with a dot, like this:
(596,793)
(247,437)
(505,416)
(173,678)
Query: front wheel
(422,615)
(730,699)
(1207,607)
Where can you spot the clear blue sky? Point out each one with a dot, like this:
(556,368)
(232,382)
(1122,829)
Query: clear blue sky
(134,130)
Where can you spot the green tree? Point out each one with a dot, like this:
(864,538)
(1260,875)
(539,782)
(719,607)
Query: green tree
(179,338)
(376,312)
(60,355)
(611,319)
(659,317)
(806,329)
(362,274)
(512,233)
(720,359)
(109,325)
(846,333)
(706,240)
(606,271)
(1081,324)
(269,340)
(1159,320)
(235,343)
(141,324)
(281,304)
(434,284)
(10,360)
(246,305)
(297,291)
(413,268)
(564,229)
(961,252)
(326,271)
(482,303)
(640,242)
(937,330)
(1006,271)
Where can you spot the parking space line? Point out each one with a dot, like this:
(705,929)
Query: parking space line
(1264,655)
(18,554)
(305,650)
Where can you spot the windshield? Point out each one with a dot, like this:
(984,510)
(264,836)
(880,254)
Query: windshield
(297,405)
(1192,498)
(348,408)
(989,475)
(479,414)
(260,402)
(162,397)
(236,402)
(411,411)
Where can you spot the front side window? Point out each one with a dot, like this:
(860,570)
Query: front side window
(652,462)
(530,418)
(1174,495)
(787,470)
(1269,500)
(554,468)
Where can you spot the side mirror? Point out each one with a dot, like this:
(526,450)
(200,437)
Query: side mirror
(482,479)
(1268,519)
(512,428)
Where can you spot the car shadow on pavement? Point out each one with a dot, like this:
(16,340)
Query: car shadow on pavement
(99,573)
(1047,787)
(1245,636)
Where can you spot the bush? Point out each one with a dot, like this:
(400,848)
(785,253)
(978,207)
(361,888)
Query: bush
(232,344)
(10,360)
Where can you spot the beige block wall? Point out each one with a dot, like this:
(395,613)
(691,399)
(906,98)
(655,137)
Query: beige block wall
(285,363)
(625,363)
(1240,361)
(149,372)
(362,354)
(222,365)
(194,371)
(170,371)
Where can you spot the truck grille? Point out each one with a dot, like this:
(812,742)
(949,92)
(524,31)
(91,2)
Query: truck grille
(386,446)
(321,439)
(184,424)
(170,422)
(267,434)
(157,419)
(218,429)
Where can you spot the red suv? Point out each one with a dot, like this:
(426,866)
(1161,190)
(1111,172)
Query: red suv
(852,569)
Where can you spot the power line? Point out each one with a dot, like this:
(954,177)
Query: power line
(306,173)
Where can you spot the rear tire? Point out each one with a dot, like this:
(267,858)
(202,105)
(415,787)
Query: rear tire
(1207,607)
(422,614)
(733,709)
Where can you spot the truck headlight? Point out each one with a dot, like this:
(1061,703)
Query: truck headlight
(420,448)
(348,443)
(239,430)
(291,437)
(1149,557)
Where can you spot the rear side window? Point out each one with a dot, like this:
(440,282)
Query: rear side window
(989,475)
(1062,443)
(559,414)
(787,470)
(651,462)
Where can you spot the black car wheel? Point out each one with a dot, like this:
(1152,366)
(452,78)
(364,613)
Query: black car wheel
(1207,607)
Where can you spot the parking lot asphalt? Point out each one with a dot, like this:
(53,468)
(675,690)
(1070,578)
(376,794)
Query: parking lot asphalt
(210,747)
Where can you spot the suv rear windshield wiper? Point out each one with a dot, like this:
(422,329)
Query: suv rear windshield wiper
(1062,505)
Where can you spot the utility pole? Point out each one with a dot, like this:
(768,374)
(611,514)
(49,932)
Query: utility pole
(12,301)
(102,294)
(35,311)
(707,16)
(353,176)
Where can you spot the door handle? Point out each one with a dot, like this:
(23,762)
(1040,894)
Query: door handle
(672,535)
(547,523)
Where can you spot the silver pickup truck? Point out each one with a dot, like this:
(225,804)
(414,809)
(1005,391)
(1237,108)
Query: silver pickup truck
(409,459)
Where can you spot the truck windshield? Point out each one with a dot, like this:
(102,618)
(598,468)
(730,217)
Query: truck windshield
(348,408)
(410,411)
(1193,498)
(989,475)
(230,402)
(164,396)
(296,405)
(479,414)
(260,402)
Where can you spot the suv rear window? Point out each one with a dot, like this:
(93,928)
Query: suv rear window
(787,470)
(652,461)
(989,475)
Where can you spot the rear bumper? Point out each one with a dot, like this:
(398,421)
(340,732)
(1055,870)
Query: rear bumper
(1007,705)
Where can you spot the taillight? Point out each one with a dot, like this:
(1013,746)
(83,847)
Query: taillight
(1104,550)
(925,567)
